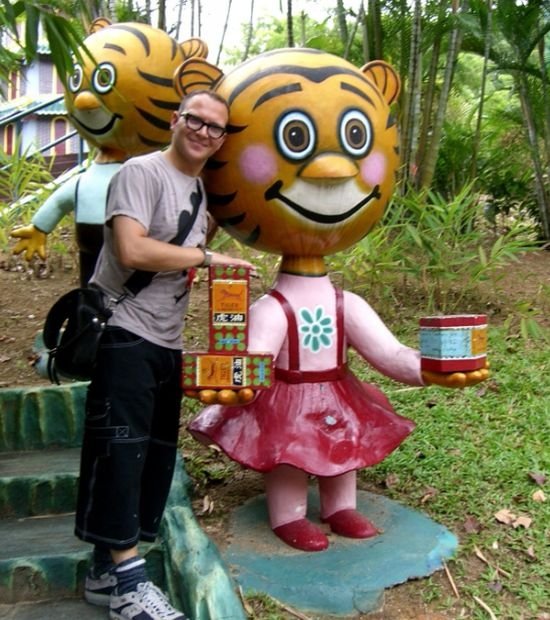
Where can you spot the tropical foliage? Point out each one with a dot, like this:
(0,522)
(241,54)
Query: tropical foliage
(475,103)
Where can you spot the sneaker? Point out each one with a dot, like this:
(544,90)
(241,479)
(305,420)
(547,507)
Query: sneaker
(98,590)
(145,603)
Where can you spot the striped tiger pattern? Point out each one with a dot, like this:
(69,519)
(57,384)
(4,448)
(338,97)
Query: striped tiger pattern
(121,95)
(310,158)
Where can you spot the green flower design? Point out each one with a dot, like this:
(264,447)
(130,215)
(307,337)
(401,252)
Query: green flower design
(316,329)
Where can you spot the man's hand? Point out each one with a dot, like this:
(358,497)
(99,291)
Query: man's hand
(455,379)
(31,241)
(222,397)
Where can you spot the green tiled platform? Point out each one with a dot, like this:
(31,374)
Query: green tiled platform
(42,563)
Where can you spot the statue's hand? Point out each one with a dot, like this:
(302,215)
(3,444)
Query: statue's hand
(456,379)
(31,241)
(222,397)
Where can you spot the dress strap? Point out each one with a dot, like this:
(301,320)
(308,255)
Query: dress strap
(340,325)
(293,349)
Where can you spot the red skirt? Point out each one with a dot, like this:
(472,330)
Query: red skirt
(324,428)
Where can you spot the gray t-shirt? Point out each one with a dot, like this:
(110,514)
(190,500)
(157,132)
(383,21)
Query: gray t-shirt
(161,198)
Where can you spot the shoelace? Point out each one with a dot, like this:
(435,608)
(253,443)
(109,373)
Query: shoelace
(154,598)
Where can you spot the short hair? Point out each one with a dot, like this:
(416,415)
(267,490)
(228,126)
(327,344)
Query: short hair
(203,91)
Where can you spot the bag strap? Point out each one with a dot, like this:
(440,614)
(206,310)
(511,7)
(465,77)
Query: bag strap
(57,315)
(140,279)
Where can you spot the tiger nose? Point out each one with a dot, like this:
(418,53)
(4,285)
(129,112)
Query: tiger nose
(330,167)
(86,101)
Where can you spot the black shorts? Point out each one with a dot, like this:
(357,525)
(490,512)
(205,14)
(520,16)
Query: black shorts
(130,440)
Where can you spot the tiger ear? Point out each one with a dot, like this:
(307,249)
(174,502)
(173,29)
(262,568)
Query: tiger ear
(195,74)
(99,24)
(385,77)
(194,48)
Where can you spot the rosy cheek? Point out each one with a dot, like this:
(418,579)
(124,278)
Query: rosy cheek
(257,164)
(373,169)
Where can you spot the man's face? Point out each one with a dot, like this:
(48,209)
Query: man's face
(197,145)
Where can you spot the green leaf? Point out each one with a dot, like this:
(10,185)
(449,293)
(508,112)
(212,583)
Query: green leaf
(32,24)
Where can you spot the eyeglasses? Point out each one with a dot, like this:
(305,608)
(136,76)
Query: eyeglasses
(196,124)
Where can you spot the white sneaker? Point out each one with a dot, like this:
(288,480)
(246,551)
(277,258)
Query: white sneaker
(145,603)
(98,590)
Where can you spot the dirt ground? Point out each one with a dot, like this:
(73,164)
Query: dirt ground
(28,291)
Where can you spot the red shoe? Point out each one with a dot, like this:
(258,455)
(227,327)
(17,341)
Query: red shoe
(351,524)
(302,534)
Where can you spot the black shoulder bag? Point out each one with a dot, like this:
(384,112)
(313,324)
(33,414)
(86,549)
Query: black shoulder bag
(72,332)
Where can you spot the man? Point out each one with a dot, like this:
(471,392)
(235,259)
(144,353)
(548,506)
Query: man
(156,225)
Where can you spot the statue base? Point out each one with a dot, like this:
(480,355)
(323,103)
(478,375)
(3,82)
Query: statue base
(348,578)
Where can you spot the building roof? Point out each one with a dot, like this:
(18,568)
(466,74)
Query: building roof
(26,103)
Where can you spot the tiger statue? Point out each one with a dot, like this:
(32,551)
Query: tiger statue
(119,97)
(307,169)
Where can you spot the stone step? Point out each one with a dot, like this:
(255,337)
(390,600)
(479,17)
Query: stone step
(38,482)
(41,559)
(69,609)
(41,417)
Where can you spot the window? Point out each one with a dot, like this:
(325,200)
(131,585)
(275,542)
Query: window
(14,84)
(9,138)
(59,129)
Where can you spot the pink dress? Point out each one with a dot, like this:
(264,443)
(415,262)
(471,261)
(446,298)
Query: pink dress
(317,416)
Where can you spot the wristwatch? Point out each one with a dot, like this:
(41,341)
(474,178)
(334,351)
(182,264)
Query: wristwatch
(207,258)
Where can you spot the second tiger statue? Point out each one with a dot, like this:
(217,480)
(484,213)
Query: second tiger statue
(119,98)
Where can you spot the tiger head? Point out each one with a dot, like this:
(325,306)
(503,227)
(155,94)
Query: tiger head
(121,97)
(311,153)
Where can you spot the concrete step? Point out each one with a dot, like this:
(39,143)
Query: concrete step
(41,559)
(41,417)
(38,482)
(69,609)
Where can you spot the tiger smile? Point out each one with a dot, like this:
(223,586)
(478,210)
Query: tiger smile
(274,193)
(97,131)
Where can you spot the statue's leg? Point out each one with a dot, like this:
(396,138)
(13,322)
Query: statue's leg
(286,490)
(338,495)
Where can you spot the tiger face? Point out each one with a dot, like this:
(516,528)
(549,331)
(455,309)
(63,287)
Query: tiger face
(309,161)
(122,98)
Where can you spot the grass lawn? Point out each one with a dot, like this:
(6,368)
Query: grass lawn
(478,462)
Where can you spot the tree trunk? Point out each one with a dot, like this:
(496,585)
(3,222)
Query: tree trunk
(341,21)
(428,169)
(543,199)
(412,100)
(289,24)
(161,24)
(303,23)
(545,103)
(364,33)
(358,21)
(249,32)
(486,52)
(376,34)
(428,102)
(224,31)
(178,23)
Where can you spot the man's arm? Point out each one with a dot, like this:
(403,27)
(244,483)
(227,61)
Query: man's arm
(135,250)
